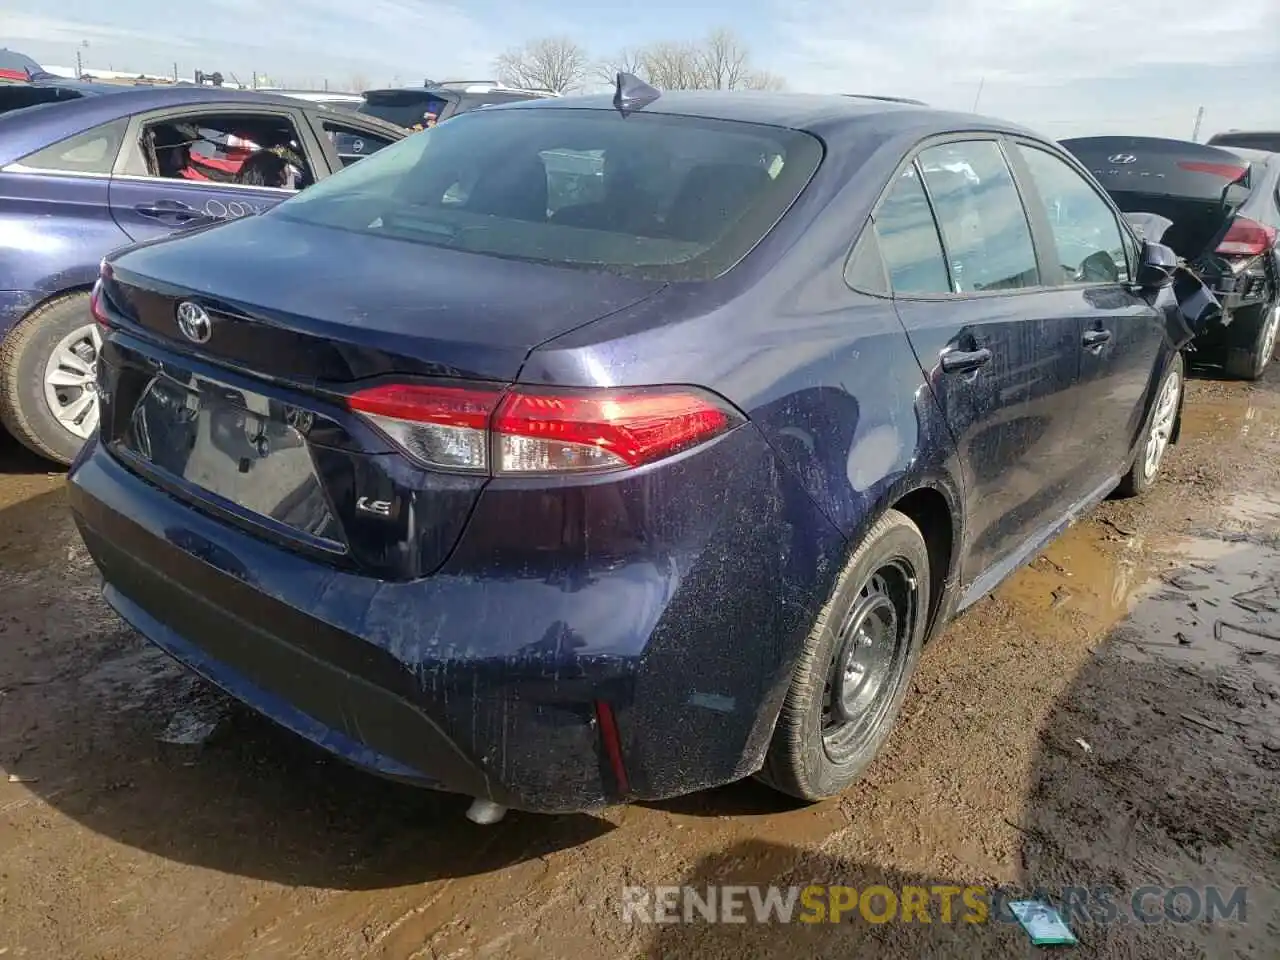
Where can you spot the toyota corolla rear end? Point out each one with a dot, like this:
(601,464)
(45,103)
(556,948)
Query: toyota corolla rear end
(321,482)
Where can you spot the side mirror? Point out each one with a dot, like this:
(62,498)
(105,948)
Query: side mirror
(1156,266)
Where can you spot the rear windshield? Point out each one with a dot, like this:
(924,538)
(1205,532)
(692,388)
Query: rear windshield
(651,196)
(19,96)
(404,108)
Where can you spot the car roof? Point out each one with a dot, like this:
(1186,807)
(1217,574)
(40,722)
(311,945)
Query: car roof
(440,93)
(817,113)
(24,131)
(1253,155)
(87,88)
(320,95)
(14,60)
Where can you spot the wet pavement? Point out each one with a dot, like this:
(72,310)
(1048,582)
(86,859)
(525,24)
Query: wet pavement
(1109,717)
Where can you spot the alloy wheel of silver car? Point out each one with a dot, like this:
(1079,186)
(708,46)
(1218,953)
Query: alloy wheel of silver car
(1162,421)
(1268,348)
(70,380)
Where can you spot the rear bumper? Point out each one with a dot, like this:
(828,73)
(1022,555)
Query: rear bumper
(486,686)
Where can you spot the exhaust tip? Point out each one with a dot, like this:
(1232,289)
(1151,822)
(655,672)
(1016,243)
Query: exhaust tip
(485,812)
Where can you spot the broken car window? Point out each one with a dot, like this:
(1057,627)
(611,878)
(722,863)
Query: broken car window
(983,222)
(1089,240)
(909,239)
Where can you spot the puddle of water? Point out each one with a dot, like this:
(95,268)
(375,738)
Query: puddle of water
(1236,419)
(1219,609)
(1093,572)
(1208,600)
(1219,605)
(1254,507)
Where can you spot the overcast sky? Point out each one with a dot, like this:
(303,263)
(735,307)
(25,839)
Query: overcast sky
(1064,67)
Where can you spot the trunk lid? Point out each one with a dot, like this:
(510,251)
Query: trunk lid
(1197,187)
(312,304)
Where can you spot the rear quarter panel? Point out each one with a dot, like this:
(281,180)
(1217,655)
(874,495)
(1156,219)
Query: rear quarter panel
(53,232)
(826,373)
(847,426)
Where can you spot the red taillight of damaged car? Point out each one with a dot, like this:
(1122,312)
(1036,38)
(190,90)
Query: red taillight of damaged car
(1247,238)
(530,432)
(1228,171)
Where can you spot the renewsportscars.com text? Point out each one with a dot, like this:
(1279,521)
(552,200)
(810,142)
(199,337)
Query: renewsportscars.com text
(825,903)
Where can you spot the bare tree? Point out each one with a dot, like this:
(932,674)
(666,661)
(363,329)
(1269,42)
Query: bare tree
(552,63)
(359,83)
(764,80)
(674,66)
(723,61)
(625,61)
(720,62)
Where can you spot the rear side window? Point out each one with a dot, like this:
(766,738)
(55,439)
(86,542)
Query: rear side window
(93,151)
(909,239)
(352,143)
(984,225)
(651,196)
(19,96)
(1090,244)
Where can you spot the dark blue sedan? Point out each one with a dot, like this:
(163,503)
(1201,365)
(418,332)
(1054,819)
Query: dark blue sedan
(112,165)
(645,477)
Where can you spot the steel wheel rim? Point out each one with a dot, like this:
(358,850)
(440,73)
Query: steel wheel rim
(865,670)
(1162,421)
(71,381)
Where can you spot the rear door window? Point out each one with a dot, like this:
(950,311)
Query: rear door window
(93,151)
(652,196)
(218,147)
(909,239)
(984,225)
(1091,246)
(351,143)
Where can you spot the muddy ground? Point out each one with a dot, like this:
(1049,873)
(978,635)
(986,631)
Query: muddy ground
(1109,717)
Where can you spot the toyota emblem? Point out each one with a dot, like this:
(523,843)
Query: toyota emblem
(1121,158)
(194,322)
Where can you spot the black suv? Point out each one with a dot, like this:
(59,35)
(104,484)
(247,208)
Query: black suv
(406,106)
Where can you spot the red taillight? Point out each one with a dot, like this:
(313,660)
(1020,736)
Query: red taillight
(95,305)
(550,433)
(1230,171)
(1247,238)
(440,426)
(95,296)
(537,432)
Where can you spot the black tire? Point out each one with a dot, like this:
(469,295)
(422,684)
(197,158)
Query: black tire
(1252,339)
(23,409)
(1138,478)
(809,758)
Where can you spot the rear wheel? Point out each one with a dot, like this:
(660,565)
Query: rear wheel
(854,670)
(1252,341)
(1157,435)
(48,378)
